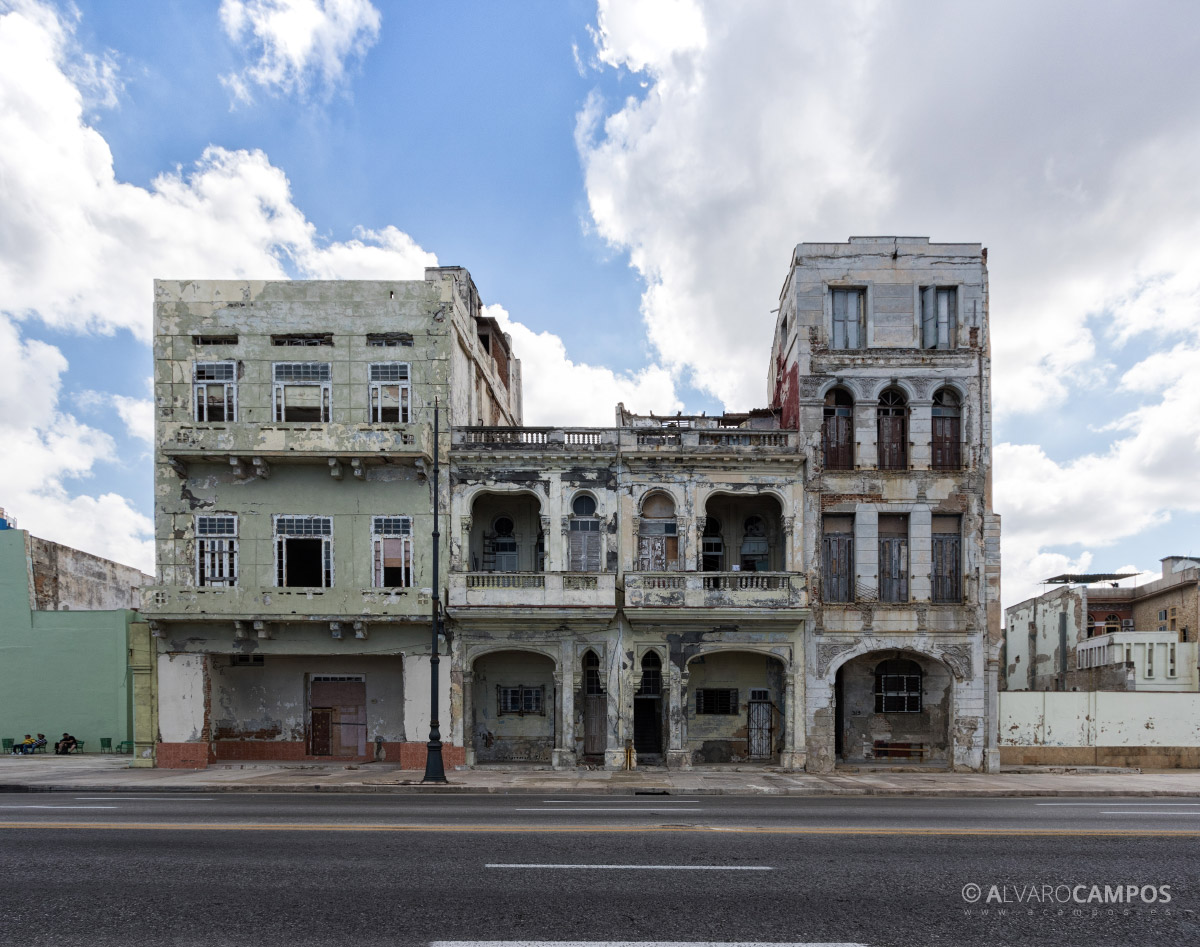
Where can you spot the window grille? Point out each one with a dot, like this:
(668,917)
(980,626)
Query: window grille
(303,551)
(392,552)
(302,371)
(214,371)
(303,391)
(521,700)
(389,339)
(390,394)
(216,551)
(214,392)
(214,340)
(303,339)
(711,700)
(898,687)
(303,526)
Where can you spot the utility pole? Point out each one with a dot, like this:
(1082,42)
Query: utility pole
(435,772)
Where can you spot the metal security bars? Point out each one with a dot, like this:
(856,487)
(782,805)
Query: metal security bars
(302,391)
(390,395)
(216,551)
(214,391)
(898,687)
(303,551)
(521,699)
(717,700)
(392,552)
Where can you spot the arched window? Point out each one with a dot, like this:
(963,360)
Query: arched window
(837,431)
(892,427)
(714,546)
(503,545)
(1091,626)
(651,675)
(898,687)
(754,545)
(592,683)
(1112,624)
(947,430)
(585,535)
(658,542)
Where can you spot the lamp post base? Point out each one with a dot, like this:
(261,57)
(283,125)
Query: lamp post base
(435,771)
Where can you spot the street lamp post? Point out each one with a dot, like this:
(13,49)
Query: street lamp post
(435,772)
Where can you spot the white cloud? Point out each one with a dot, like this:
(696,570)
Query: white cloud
(648,33)
(297,40)
(557,390)
(138,416)
(1061,151)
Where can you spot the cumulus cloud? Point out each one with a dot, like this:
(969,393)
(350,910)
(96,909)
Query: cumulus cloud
(773,124)
(297,41)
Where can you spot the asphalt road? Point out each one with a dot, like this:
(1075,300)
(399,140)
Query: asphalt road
(366,869)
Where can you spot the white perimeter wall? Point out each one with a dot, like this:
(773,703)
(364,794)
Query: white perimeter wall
(181,698)
(1098,718)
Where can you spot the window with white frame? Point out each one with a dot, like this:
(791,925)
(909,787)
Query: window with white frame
(302,391)
(304,551)
(389,395)
(849,319)
(216,551)
(392,552)
(939,317)
(214,391)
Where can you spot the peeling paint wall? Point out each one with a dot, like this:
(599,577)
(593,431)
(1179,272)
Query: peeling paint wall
(507,737)
(1099,718)
(182,695)
(724,738)
(68,579)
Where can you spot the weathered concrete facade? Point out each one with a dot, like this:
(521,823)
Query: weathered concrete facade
(294,445)
(881,360)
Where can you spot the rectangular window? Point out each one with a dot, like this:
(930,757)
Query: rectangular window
(946,554)
(304,552)
(717,700)
(214,340)
(939,317)
(303,339)
(303,391)
(246,661)
(849,318)
(893,558)
(216,551)
(521,700)
(1171,619)
(214,392)
(1162,615)
(1150,660)
(658,546)
(837,558)
(713,553)
(390,339)
(392,553)
(897,693)
(1170,660)
(585,541)
(389,395)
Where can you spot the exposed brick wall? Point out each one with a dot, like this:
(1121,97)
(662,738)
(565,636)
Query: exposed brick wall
(412,755)
(182,755)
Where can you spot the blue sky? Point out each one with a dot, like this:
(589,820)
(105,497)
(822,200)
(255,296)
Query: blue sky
(625,181)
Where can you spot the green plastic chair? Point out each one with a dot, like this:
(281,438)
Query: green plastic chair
(125,746)
(78,746)
(7,743)
(106,744)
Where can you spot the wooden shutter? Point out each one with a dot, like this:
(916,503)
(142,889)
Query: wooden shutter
(893,569)
(838,442)
(838,566)
(947,443)
(893,442)
(947,567)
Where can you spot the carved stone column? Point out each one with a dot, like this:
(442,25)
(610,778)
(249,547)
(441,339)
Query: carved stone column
(677,756)
(563,755)
(465,549)
(468,715)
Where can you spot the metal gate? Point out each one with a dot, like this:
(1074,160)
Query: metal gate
(760,727)
(595,713)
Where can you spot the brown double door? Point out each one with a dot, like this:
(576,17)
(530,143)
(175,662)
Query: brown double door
(338,717)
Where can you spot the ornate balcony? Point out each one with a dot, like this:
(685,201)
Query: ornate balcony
(533,590)
(715,590)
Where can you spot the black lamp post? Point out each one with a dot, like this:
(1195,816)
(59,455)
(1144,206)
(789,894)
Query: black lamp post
(435,772)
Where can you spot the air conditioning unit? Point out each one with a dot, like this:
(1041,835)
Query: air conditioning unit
(1127,624)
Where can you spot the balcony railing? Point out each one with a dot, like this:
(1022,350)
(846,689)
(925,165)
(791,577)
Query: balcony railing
(278,441)
(715,590)
(533,589)
(639,439)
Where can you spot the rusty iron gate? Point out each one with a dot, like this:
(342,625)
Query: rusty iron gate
(761,727)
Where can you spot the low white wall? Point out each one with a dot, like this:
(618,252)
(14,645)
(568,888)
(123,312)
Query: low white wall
(1099,718)
(416,700)
(181,697)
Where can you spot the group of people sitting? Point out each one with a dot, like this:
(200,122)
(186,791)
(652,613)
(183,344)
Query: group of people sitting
(29,744)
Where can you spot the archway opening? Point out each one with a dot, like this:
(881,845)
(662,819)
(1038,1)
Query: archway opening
(513,702)
(735,707)
(506,533)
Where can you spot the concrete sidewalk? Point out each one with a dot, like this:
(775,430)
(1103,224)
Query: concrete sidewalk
(97,773)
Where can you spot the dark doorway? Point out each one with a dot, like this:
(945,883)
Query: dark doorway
(595,707)
(322,725)
(647,708)
(339,715)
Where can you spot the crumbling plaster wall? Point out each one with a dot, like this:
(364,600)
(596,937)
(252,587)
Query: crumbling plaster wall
(1032,635)
(724,738)
(510,737)
(63,579)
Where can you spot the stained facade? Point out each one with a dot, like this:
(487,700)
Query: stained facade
(812,582)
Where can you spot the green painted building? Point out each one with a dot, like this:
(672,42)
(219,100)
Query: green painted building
(74,654)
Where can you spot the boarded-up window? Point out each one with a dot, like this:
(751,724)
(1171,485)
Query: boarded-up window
(898,687)
(837,558)
(893,558)
(946,553)
(947,430)
(658,542)
(893,430)
(717,700)
(837,430)
(392,553)
(939,317)
(849,318)
(584,536)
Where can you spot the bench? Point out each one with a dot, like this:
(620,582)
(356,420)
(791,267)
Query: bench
(125,746)
(892,750)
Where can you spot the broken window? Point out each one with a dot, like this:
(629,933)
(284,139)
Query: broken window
(658,542)
(946,566)
(651,684)
(837,431)
(592,682)
(246,661)
(392,552)
(304,552)
(898,687)
(892,430)
(303,391)
(214,340)
(893,558)
(1149,659)
(837,558)
(214,391)
(947,430)
(713,551)
(303,338)
(1171,670)
(1091,626)
(389,395)
(849,318)
(717,700)
(216,551)
(502,546)
(521,699)
(585,535)
(754,556)
(939,317)
(389,339)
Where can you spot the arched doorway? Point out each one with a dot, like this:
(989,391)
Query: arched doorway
(647,710)
(513,706)
(893,706)
(735,707)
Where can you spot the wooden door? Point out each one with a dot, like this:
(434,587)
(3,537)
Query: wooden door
(595,714)
(322,726)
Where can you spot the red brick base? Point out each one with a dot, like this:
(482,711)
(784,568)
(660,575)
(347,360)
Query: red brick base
(199,755)
(181,755)
(412,755)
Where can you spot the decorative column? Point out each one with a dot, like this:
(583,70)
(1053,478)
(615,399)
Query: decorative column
(563,755)
(793,721)
(465,563)
(468,713)
(677,756)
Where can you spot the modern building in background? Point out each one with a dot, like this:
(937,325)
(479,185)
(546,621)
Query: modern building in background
(811,582)
(76,655)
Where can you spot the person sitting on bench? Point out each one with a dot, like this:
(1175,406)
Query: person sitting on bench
(25,747)
(65,745)
(40,742)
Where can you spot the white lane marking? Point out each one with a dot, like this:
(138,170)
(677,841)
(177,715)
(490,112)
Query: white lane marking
(649,867)
(631,943)
(143,799)
(604,809)
(60,807)
(577,802)
(1158,815)
(1164,805)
